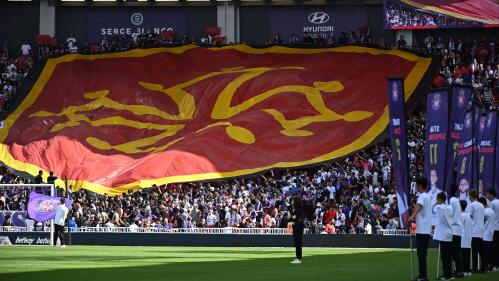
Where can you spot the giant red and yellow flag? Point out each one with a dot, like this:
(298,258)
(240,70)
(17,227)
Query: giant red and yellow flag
(114,122)
(484,11)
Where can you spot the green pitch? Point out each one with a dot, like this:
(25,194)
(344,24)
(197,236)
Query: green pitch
(96,263)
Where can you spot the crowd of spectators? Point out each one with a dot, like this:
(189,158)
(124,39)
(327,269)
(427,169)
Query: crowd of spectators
(13,70)
(352,195)
(402,16)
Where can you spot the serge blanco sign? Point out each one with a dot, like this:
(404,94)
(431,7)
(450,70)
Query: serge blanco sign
(129,22)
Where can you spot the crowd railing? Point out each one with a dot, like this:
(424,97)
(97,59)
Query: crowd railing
(196,230)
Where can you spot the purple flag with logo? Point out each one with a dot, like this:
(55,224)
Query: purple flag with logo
(437,122)
(477,112)
(42,207)
(398,136)
(464,157)
(486,151)
(460,98)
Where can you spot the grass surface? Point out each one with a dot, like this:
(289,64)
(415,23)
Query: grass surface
(96,263)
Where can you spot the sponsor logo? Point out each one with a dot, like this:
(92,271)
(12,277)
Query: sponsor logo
(318,17)
(43,206)
(436,102)
(137,19)
(22,240)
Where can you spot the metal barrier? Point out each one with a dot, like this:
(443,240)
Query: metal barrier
(226,230)
(398,232)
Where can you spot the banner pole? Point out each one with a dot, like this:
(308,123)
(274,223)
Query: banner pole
(412,253)
(52,220)
(438,261)
(67,196)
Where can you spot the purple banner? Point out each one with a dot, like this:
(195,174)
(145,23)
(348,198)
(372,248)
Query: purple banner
(437,123)
(398,137)
(459,104)
(18,218)
(464,159)
(135,21)
(496,172)
(486,151)
(477,112)
(320,21)
(42,207)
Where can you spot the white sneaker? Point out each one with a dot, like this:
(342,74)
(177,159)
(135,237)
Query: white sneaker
(63,246)
(296,261)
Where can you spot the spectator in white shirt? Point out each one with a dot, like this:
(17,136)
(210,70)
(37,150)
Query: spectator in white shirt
(25,49)
(476,211)
(494,204)
(443,234)
(422,214)
(466,239)
(211,219)
(71,40)
(488,233)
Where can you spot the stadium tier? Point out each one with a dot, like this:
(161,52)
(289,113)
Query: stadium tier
(204,132)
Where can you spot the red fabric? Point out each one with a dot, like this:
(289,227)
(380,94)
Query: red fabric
(330,214)
(42,39)
(212,30)
(219,39)
(67,152)
(480,10)
(439,81)
(53,41)
(21,62)
(167,34)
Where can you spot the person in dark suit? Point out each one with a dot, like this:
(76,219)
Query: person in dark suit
(296,221)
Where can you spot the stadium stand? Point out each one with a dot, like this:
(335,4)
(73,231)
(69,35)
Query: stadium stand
(354,195)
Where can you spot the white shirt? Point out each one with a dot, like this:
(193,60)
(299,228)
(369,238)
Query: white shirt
(466,236)
(423,218)
(211,219)
(476,212)
(456,222)
(443,229)
(490,216)
(25,48)
(60,214)
(494,204)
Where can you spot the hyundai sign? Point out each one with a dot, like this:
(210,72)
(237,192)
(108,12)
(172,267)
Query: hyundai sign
(106,22)
(317,21)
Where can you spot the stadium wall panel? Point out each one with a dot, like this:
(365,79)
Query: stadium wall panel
(200,17)
(252,30)
(213,240)
(84,22)
(23,22)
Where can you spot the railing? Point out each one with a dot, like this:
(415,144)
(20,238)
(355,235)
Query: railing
(226,230)
(392,232)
